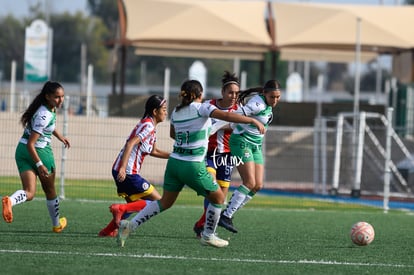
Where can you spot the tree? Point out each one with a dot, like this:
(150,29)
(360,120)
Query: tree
(107,10)
(11,45)
(69,33)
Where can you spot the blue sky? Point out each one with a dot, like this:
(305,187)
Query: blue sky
(21,7)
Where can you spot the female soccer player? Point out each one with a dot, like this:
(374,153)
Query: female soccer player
(126,168)
(190,127)
(219,161)
(34,155)
(246,145)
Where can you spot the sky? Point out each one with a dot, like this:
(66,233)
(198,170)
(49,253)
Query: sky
(21,7)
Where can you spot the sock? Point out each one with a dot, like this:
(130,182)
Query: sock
(212,217)
(247,199)
(18,197)
(153,208)
(236,200)
(134,206)
(110,227)
(53,207)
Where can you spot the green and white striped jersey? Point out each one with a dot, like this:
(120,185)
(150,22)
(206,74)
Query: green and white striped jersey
(42,122)
(256,108)
(192,126)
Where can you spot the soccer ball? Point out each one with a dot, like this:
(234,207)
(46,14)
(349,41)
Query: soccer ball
(362,233)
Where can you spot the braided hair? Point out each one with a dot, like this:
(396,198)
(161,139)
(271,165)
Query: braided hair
(190,90)
(270,85)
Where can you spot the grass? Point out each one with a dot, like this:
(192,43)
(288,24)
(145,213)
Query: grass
(277,235)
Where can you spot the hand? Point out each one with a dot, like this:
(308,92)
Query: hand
(121,176)
(43,172)
(259,126)
(66,142)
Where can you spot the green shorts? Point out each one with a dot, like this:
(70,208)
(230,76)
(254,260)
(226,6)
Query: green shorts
(245,151)
(193,174)
(25,162)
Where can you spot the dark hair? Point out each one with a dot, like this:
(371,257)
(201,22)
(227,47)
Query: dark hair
(49,88)
(153,102)
(270,86)
(228,79)
(190,90)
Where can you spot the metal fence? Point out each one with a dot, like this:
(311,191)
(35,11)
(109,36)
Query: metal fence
(293,161)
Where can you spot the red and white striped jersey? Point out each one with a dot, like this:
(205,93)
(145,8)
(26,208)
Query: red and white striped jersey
(145,130)
(219,141)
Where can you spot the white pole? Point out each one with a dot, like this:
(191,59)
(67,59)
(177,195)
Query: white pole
(359,155)
(236,65)
(338,147)
(356,96)
(357,67)
(316,141)
(323,153)
(13,87)
(167,73)
(83,69)
(89,91)
(387,169)
(64,149)
(243,80)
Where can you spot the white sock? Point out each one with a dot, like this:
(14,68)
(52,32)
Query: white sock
(236,200)
(246,200)
(212,217)
(18,197)
(145,214)
(53,207)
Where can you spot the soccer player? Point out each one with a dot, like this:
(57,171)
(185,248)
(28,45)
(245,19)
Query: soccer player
(219,161)
(190,128)
(246,145)
(130,185)
(34,155)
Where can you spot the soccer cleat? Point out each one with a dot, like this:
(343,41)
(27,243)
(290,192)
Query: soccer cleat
(123,232)
(213,240)
(62,224)
(227,223)
(117,213)
(104,233)
(7,209)
(197,230)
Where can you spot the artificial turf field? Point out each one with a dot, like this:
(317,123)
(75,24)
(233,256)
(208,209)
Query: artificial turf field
(277,235)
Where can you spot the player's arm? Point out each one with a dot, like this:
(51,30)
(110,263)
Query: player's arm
(124,160)
(237,118)
(64,140)
(34,136)
(158,153)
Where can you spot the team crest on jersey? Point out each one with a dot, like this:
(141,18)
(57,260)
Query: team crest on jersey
(145,185)
(246,154)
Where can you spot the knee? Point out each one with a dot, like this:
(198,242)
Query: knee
(217,197)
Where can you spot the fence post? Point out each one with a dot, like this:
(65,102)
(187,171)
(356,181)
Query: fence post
(387,169)
(64,149)
(316,152)
(356,190)
(337,160)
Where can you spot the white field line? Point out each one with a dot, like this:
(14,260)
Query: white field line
(183,258)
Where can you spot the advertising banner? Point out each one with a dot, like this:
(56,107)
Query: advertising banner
(38,52)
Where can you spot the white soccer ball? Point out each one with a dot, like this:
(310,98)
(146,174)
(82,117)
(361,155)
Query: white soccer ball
(362,233)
